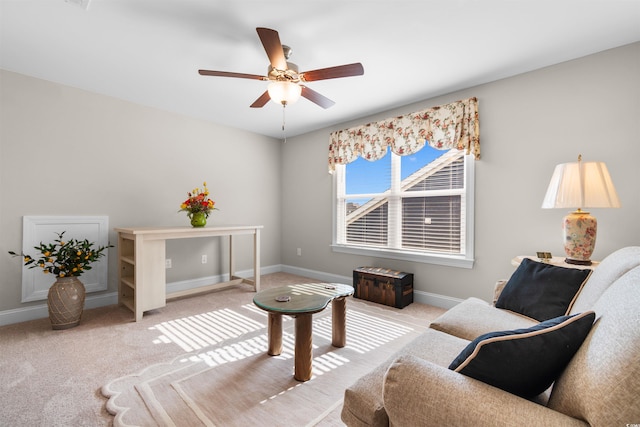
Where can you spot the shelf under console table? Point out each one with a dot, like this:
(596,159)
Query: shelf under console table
(141,263)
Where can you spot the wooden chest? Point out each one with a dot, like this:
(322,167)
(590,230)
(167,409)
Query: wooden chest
(384,286)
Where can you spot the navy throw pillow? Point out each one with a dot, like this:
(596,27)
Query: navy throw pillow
(542,291)
(527,361)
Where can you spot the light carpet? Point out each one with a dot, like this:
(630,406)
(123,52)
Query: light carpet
(226,378)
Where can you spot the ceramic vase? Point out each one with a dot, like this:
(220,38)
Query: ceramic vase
(66,302)
(198,219)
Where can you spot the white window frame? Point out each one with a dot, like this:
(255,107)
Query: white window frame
(464,260)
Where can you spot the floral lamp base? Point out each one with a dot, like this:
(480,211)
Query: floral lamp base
(579,230)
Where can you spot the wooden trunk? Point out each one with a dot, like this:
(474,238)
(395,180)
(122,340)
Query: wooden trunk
(384,286)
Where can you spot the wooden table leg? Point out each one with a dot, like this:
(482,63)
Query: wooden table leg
(304,348)
(338,322)
(275,334)
(256,261)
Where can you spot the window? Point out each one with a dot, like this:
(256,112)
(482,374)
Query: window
(417,207)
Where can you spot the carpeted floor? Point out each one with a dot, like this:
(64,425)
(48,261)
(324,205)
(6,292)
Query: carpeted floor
(198,361)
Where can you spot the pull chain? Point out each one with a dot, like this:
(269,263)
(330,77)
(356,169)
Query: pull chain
(284,135)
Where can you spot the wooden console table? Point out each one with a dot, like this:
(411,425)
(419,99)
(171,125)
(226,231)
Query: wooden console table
(141,263)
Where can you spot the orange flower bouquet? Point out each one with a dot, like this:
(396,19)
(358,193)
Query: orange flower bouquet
(198,203)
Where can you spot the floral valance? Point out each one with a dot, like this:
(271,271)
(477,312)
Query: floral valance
(444,127)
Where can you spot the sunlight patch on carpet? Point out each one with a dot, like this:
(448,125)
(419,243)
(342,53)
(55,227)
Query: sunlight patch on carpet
(203,330)
(366,332)
(228,379)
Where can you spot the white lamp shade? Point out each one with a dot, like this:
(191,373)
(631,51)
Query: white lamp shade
(581,185)
(283,92)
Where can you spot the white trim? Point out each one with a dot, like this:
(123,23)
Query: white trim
(470,197)
(447,260)
(185,285)
(421,297)
(436,300)
(40,311)
(318,275)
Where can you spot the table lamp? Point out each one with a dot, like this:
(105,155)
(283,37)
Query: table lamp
(580,185)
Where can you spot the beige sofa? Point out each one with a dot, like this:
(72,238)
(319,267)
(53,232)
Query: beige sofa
(600,385)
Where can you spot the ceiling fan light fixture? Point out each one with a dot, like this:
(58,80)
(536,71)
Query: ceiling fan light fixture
(284,92)
(286,83)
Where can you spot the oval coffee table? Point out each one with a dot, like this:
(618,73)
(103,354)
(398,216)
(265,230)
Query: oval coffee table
(301,301)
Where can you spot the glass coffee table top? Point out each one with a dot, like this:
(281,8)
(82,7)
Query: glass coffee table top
(300,298)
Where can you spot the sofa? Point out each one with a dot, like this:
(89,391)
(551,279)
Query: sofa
(484,363)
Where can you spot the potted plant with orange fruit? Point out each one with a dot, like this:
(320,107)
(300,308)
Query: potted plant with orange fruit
(66,260)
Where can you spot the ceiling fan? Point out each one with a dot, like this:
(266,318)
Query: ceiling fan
(286,82)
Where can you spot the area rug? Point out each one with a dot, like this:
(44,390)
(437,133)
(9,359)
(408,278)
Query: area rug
(226,378)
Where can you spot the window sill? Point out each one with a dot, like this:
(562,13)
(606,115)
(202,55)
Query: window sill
(447,260)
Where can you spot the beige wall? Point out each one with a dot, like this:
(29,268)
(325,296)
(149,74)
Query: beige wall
(64,151)
(528,124)
(68,152)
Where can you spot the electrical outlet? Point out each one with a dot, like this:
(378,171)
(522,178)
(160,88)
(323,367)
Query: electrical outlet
(204,259)
(167,263)
(299,251)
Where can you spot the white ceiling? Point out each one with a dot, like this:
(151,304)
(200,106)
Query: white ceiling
(149,51)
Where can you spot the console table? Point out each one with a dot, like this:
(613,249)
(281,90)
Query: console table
(141,263)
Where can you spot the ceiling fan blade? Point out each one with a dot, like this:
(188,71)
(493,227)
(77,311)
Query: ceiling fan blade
(348,70)
(316,98)
(271,42)
(228,74)
(262,101)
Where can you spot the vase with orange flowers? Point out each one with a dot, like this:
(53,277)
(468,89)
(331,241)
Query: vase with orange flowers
(198,206)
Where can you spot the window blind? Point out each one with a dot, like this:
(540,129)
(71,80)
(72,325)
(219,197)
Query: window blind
(423,212)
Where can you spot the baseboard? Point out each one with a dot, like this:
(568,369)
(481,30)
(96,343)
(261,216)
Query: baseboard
(184,285)
(436,300)
(40,311)
(318,275)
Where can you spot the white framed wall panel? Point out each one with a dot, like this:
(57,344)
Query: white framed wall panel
(45,229)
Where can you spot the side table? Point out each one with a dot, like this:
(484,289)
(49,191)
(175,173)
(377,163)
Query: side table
(301,302)
(556,260)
